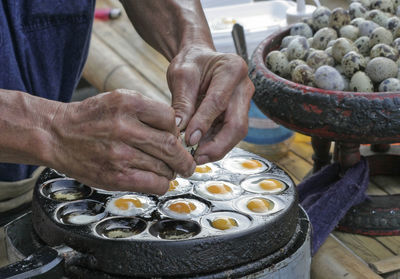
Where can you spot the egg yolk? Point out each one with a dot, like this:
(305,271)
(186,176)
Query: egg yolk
(271,184)
(203,169)
(172,185)
(259,205)
(182,207)
(251,164)
(219,189)
(123,203)
(224,223)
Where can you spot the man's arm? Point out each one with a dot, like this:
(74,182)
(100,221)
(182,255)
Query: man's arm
(211,91)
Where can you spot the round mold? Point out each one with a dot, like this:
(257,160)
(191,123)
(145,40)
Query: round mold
(237,164)
(242,221)
(276,204)
(170,229)
(189,208)
(65,189)
(251,184)
(127,206)
(80,212)
(120,227)
(228,191)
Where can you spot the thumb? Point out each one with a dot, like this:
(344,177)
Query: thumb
(184,83)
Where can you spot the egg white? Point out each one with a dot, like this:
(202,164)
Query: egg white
(184,186)
(201,209)
(147,204)
(201,189)
(206,175)
(234,164)
(252,185)
(242,221)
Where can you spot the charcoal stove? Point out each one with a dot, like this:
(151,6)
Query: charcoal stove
(270,245)
(346,118)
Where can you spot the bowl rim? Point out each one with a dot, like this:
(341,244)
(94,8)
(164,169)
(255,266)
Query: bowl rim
(258,59)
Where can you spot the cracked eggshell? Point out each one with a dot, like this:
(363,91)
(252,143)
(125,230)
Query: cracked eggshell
(322,37)
(380,35)
(383,50)
(303,74)
(360,82)
(352,62)
(339,17)
(327,77)
(341,47)
(362,44)
(278,63)
(319,58)
(389,85)
(298,48)
(381,68)
(301,29)
(350,32)
(320,17)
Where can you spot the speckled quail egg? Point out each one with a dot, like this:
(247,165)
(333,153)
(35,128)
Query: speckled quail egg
(309,21)
(366,27)
(350,32)
(356,9)
(303,74)
(310,40)
(286,41)
(381,68)
(339,17)
(383,50)
(362,44)
(396,32)
(284,51)
(389,85)
(278,63)
(396,44)
(352,62)
(328,51)
(365,3)
(301,29)
(309,52)
(392,23)
(380,35)
(341,47)
(339,68)
(298,48)
(378,17)
(367,59)
(330,43)
(360,82)
(190,148)
(320,17)
(294,63)
(357,21)
(322,37)
(319,58)
(383,5)
(327,77)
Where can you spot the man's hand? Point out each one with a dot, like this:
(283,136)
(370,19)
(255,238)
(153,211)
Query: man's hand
(211,97)
(119,141)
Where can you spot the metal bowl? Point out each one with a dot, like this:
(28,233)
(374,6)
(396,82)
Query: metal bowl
(335,115)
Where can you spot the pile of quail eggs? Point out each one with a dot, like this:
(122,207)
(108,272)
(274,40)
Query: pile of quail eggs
(346,50)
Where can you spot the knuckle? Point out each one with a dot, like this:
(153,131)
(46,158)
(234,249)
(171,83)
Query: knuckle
(220,101)
(169,144)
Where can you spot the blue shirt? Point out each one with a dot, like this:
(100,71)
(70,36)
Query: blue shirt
(43,48)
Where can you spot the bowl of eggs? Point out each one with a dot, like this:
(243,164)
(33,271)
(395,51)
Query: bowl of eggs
(231,212)
(335,75)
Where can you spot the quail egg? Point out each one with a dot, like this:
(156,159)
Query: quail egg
(352,62)
(390,85)
(218,190)
(381,68)
(327,77)
(204,172)
(323,36)
(130,205)
(339,17)
(263,185)
(328,51)
(319,58)
(341,47)
(366,27)
(383,5)
(301,29)
(244,165)
(396,44)
(179,185)
(365,3)
(330,43)
(362,44)
(350,32)
(383,50)
(184,208)
(298,48)
(320,17)
(378,17)
(294,63)
(380,35)
(357,21)
(360,82)
(310,41)
(303,74)
(259,205)
(286,41)
(190,148)
(393,23)
(225,221)
(278,63)
(356,10)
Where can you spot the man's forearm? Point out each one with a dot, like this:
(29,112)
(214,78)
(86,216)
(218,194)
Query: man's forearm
(170,25)
(25,125)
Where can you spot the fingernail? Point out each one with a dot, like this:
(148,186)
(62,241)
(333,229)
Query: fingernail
(178,121)
(195,137)
(202,159)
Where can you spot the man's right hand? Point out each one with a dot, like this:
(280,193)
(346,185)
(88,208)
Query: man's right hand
(119,141)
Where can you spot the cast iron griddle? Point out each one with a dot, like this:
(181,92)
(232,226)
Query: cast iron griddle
(147,254)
